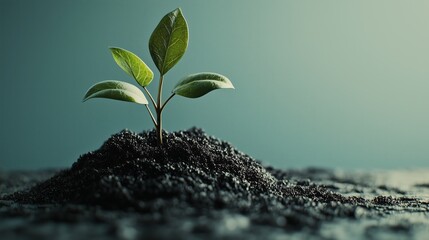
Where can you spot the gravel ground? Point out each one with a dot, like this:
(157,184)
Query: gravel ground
(197,186)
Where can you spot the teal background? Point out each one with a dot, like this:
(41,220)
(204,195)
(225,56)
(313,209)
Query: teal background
(340,84)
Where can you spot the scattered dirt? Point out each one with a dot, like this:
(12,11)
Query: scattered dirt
(195,176)
(422,185)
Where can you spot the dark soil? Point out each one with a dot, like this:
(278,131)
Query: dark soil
(195,176)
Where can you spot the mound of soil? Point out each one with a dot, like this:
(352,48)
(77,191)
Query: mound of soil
(191,173)
(197,186)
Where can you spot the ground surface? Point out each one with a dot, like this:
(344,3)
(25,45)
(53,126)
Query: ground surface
(199,187)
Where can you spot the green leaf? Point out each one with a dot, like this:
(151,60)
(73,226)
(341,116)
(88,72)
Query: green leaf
(132,65)
(116,90)
(169,41)
(199,84)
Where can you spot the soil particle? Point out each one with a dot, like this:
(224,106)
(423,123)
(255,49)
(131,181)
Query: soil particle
(195,176)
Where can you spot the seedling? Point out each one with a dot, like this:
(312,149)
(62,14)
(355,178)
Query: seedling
(167,45)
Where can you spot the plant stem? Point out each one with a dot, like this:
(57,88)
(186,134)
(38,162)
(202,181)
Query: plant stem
(159,111)
(151,115)
(168,99)
(150,96)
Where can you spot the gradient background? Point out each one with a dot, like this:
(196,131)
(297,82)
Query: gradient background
(340,84)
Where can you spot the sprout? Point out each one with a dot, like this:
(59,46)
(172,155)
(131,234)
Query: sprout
(167,45)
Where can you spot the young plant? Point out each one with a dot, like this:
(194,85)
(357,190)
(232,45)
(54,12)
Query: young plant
(167,45)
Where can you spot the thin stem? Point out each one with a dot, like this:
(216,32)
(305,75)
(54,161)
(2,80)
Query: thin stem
(159,110)
(158,103)
(168,99)
(151,115)
(150,96)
